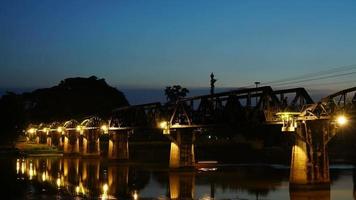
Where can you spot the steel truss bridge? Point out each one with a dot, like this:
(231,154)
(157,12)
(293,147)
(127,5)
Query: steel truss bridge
(313,124)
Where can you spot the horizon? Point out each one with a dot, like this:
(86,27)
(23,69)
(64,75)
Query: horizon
(137,96)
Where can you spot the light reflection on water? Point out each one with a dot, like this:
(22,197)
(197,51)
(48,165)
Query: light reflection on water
(74,178)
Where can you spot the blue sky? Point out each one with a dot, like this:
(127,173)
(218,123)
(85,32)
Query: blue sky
(153,43)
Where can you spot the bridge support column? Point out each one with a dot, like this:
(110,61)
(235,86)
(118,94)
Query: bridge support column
(119,145)
(182,149)
(49,140)
(91,143)
(71,143)
(37,139)
(55,140)
(310,163)
(43,138)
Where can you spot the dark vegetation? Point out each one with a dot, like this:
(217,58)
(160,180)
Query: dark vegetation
(72,98)
(175,92)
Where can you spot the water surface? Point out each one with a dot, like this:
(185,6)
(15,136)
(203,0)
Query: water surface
(74,178)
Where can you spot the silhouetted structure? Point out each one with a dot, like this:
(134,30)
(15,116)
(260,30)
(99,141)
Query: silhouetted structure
(212,83)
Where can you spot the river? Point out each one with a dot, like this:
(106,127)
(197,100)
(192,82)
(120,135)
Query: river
(74,178)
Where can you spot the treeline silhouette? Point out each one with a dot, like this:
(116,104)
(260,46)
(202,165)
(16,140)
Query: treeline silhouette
(71,98)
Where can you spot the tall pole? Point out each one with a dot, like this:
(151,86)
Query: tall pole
(212,83)
(257,83)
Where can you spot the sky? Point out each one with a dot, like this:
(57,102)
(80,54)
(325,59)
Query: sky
(150,44)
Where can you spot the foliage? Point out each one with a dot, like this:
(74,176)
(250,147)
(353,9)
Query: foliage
(175,92)
(12,117)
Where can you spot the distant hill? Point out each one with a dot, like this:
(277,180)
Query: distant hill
(71,98)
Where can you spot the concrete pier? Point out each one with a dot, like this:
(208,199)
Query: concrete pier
(310,163)
(182,149)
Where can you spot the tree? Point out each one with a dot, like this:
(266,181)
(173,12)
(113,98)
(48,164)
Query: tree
(175,92)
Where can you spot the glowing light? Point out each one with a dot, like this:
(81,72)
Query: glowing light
(80,129)
(163,125)
(17,166)
(44,177)
(23,167)
(341,120)
(105,188)
(30,172)
(60,130)
(135,195)
(105,129)
(31,131)
(105,191)
(80,189)
(58,182)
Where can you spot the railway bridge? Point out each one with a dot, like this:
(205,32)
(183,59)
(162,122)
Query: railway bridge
(313,125)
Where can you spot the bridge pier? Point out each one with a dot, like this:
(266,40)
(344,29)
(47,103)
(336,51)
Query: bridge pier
(55,139)
(42,137)
(119,145)
(310,163)
(182,149)
(91,143)
(71,143)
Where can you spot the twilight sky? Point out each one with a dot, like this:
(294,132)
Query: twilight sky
(153,43)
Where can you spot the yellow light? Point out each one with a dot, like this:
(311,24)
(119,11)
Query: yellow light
(104,128)
(23,167)
(77,189)
(31,131)
(105,188)
(135,195)
(80,129)
(17,166)
(44,177)
(30,172)
(341,120)
(58,182)
(60,130)
(163,125)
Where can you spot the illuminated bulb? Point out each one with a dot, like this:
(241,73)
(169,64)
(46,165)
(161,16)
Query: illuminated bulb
(135,195)
(43,177)
(31,171)
(79,128)
(341,120)
(163,125)
(17,166)
(23,167)
(58,182)
(104,128)
(105,188)
(31,130)
(59,129)
(77,189)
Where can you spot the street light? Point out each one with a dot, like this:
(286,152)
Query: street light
(165,126)
(105,129)
(341,120)
(31,130)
